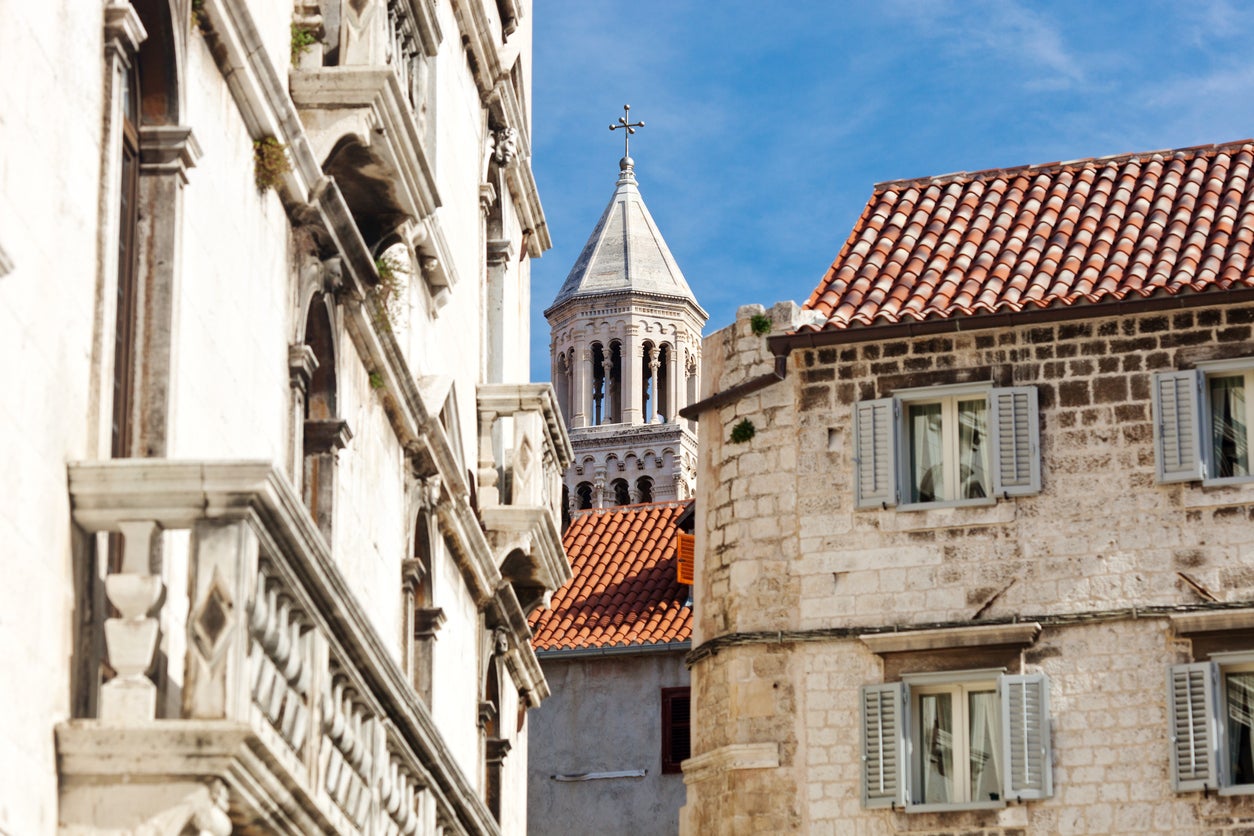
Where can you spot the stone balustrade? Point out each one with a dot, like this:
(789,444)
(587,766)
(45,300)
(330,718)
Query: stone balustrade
(287,711)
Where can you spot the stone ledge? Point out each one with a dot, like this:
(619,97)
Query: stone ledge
(1213,621)
(953,637)
(1196,496)
(728,758)
(919,519)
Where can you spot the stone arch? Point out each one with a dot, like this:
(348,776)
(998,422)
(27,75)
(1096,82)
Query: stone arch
(622,492)
(366,180)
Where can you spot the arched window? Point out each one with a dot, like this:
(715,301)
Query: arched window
(598,384)
(421,618)
(324,434)
(644,487)
(665,409)
(622,495)
(648,382)
(614,377)
(584,491)
(495,745)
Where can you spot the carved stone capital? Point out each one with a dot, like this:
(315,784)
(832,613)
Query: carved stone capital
(301,364)
(412,573)
(487,713)
(487,197)
(327,436)
(123,31)
(428,621)
(498,748)
(167,149)
(500,251)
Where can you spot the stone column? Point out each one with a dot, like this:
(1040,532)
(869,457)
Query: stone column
(674,376)
(654,400)
(131,636)
(581,394)
(489,494)
(608,395)
(632,373)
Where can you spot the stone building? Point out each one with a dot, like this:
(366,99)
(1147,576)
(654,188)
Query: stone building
(606,747)
(986,563)
(626,352)
(279,496)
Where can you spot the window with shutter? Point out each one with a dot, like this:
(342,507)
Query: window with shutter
(1191,710)
(971,742)
(676,728)
(947,446)
(1201,423)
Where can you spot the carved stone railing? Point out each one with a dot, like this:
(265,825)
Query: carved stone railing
(291,715)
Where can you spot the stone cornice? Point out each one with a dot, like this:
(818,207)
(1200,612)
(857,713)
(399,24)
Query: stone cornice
(1207,622)
(991,635)
(123,31)
(729,758)
(504,399)
(168,149)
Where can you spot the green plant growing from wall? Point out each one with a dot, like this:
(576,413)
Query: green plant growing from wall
(198,15)
(302,39)
(743,431)
(376,381)
(270,163)
(760,324)
(389,293)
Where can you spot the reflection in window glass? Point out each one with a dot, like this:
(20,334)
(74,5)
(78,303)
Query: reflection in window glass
(1240,700)
(1230,452)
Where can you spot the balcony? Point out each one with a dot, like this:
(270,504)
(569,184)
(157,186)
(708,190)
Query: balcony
(520,486)
(249,691)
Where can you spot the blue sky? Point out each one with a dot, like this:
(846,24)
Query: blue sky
(769,122)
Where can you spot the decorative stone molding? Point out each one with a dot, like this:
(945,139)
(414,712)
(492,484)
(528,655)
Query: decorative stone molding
(724,759)
(505,145)
(990,635)
(168,149)
(301,364)
(500,252)
(131,637)
(1186,624)
(327,436)
(123,31)
(428,621)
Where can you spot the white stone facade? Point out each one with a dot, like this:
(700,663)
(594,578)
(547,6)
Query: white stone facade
(280,495)
(1102,581)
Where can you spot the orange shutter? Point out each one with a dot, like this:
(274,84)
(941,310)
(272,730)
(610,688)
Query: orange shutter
(685,554)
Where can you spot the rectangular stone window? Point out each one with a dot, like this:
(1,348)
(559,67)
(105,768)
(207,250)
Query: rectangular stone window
(1201,419)
(676,728)
(956,741)
(1211,712)
(946,446)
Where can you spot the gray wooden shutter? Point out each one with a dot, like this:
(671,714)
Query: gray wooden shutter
(883,745)
(1016,431)
(875,453)
(1192,694)
(1025,736)
(1178,426)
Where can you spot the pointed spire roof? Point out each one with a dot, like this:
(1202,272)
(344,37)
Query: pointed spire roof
(626,252)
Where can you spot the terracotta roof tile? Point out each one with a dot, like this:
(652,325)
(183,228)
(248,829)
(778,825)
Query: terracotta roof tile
(1051,235)
(624,589)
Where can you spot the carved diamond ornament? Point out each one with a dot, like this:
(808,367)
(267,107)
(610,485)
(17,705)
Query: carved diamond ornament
(213,619)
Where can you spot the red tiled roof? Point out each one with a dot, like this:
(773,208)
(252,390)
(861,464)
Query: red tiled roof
(1052,235)
(624,590)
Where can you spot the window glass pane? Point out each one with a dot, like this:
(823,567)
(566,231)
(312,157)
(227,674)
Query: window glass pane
(973,449)
(1240,699)
(985,749)
(936,725)
(1230,450)
(927,453)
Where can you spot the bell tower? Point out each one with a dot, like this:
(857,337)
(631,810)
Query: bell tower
(626,344)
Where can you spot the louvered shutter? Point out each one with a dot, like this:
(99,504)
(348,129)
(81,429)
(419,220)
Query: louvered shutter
(1192,693)
(1025,736)
(875,453)
(685,557)
(883,745)
(1015,440)
(1178,426)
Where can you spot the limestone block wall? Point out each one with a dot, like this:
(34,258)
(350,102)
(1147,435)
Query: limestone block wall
(790,574)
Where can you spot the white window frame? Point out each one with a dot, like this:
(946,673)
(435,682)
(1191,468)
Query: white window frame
(1183,446)
(892,754)
(881,437)
(1197,700)
(960,742)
